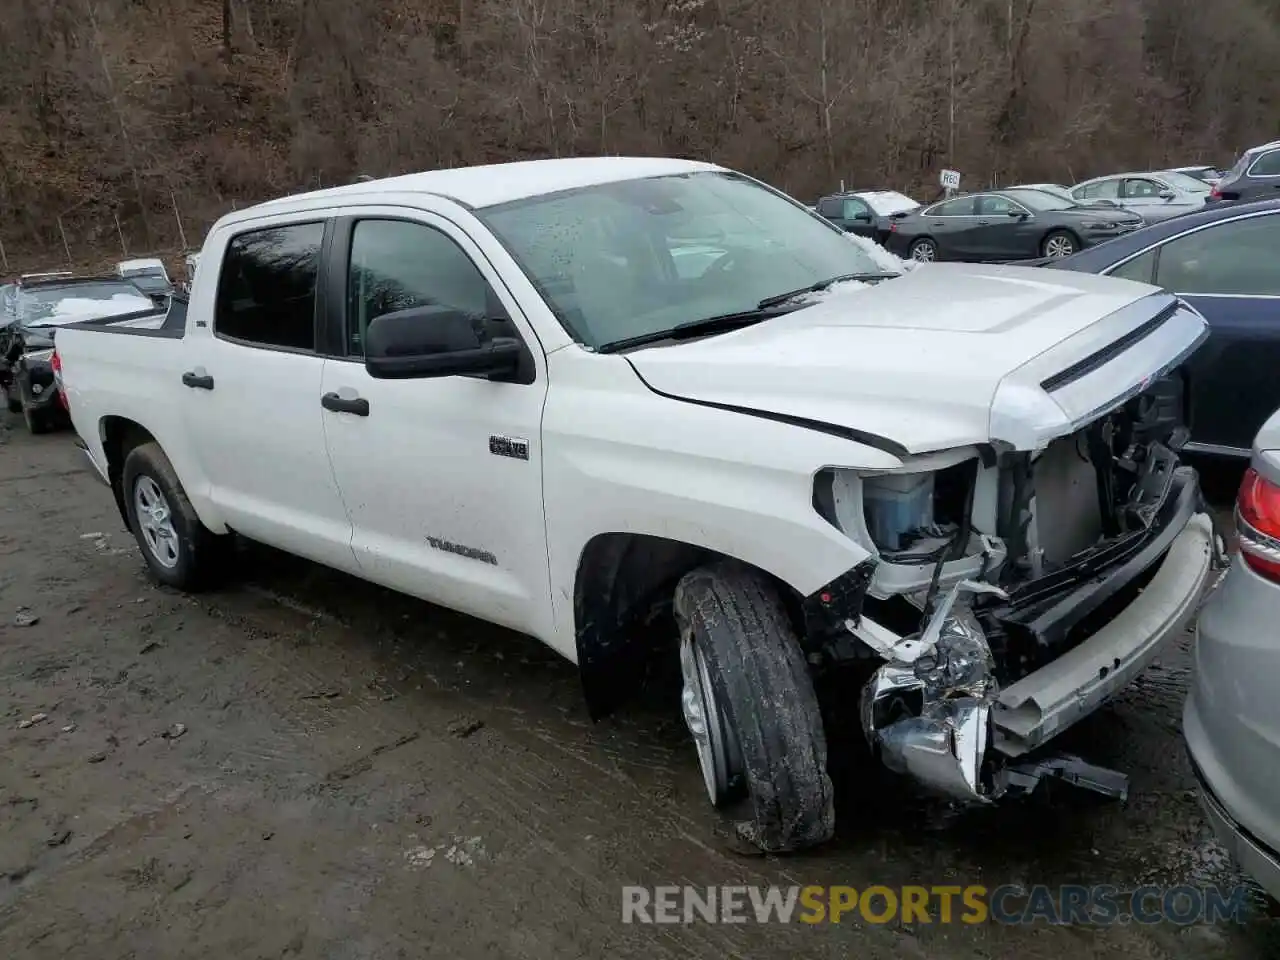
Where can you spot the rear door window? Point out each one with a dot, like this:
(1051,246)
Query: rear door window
(830,207)
(1237,257)
(1267,165)
(1140,268)
(959,207)
(1100,190)
(267,289)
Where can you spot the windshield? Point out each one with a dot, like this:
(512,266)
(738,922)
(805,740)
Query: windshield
(1183,182)
(1040,199)
(61,304)
(638,257)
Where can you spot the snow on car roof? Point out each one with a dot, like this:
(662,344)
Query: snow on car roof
(496,183)
(150,264)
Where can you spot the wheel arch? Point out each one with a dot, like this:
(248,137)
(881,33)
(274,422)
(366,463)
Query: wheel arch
(119,436)
(623,587)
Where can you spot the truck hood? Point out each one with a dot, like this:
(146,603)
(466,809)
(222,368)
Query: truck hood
(946,355)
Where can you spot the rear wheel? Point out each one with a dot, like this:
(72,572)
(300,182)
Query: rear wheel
(11,398)
(179,550)
(750,707)
(924,250)
(1060,243)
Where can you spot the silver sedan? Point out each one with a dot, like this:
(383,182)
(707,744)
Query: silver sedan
(1154,196)
(1232,716)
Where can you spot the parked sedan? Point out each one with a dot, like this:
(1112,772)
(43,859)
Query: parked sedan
(1004,225)
(1063,193)
(1231,721)
(1223,262)
(1152,195)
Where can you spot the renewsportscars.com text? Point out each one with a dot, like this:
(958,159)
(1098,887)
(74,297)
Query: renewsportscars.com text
(1097,905)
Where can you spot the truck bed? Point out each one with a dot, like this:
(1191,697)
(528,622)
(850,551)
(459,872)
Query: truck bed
(168,322)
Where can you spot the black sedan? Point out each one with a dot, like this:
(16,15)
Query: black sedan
(1013,224)
(1223,261)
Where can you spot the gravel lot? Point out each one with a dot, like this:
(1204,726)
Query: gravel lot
(304,765)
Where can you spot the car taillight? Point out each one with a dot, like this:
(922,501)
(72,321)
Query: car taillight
(893,226)
(1215,194)
(1258,524)
(55,364)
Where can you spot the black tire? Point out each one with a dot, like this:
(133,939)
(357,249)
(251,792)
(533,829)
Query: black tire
(201,554)
(761,679)
(922,244)
(12,400)
(38,421)
(1059,236)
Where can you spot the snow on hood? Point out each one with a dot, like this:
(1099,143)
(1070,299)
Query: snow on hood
(75,309)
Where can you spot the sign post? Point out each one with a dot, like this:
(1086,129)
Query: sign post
(950,181)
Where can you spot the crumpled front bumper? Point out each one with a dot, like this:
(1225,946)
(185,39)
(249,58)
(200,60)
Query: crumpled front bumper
(935,709)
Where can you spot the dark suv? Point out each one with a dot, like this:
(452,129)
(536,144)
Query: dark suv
(1256,176)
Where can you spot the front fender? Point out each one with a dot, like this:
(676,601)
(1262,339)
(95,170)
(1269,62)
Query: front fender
(623,460)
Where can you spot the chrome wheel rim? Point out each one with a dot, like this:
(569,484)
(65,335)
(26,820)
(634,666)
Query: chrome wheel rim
(155,521)
(719,755)
(923,252)
(1059,247)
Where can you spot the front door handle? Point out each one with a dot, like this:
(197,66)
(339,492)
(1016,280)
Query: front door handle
(199,381)
(359,406)
(984,223)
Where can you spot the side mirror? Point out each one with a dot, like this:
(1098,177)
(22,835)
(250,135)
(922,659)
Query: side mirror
(1166,194)
(1017,214)
(436,341)
(862,218)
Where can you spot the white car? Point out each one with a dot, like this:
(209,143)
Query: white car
(492,388)
(147,274)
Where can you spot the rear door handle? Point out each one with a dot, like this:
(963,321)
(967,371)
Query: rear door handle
(359,406)
(200,381)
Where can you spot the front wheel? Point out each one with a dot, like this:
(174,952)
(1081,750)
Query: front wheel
(179,550)
(1059,244)
(924,250)
(751,709)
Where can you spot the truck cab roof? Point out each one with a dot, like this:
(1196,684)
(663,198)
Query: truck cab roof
(492,184)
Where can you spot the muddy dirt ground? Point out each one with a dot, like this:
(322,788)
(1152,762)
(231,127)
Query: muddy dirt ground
(302,765)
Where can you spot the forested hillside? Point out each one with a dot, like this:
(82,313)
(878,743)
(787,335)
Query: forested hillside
(125,106)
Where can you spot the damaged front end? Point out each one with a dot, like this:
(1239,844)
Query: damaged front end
(1090,552)
(928,712)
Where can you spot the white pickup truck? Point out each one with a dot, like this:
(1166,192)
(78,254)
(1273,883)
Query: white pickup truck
(645,408)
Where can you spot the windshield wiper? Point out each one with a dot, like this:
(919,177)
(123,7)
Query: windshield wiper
(766,309)
(696,328)
(822,285)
